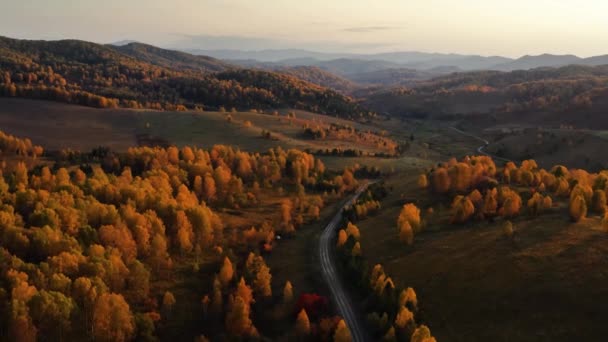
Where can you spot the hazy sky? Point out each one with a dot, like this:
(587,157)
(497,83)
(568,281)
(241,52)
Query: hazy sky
(487,27)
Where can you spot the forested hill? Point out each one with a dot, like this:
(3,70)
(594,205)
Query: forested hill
(171,59)
(319,76)
(564,92)
(142,76)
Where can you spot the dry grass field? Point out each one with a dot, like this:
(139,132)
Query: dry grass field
(59,126)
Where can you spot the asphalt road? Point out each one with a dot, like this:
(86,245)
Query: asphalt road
(328,268)
(481,149)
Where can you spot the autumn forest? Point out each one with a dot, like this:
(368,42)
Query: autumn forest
(219,188)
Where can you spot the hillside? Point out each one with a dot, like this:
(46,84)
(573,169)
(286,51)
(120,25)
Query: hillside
(140,76)
(393,77)
(531,62)
(495,271)
(58,126)
(172,59)
(559,92)
(345,66)
(548,60)
(319,76)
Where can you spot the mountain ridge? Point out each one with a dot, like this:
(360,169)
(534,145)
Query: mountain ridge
(405,59)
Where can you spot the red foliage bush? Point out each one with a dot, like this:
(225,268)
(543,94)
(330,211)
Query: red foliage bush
(314,304)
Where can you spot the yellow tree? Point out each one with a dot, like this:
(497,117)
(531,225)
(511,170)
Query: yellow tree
(303,324)
(423,182)
(288,292)
(406,233)
(112,319)
(404,318)
(411,214)
(244,291)
(352,230)
(185,234)
(238,322)
(408,298)
(578,208)
(342,238)
(226,272)
(210,190)
(547,203)
(511,203)
(490,203)
(535,204)
(21,176)
(440,180)
(462,209)
(422,334)
(356,251)
(262,281)
(342,334)
(168,301)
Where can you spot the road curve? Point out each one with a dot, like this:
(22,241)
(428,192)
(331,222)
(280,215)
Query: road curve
(328,268)
(481,149)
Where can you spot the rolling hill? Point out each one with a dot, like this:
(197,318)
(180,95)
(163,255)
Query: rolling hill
(319,76)
(172,59)
(555,94)
(393,77)
(532,62)
(142,76)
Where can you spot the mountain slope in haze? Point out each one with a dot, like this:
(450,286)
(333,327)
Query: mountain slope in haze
(409,60)
(394,77)
(596,60)
(460,62)
(342,66)
(397,59)
(543,96)
(268,55)
(103,76)
(531,62)
(172,59)
(345,67)
(319,76)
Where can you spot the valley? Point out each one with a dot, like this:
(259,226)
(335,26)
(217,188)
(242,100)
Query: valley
(312,197)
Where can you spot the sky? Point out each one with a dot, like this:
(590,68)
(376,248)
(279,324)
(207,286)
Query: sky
(509,28)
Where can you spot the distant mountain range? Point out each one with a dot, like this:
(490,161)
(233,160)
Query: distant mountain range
(346,64)
(547,60)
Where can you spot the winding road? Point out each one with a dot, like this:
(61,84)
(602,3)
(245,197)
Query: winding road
(328,268)
(481,149)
